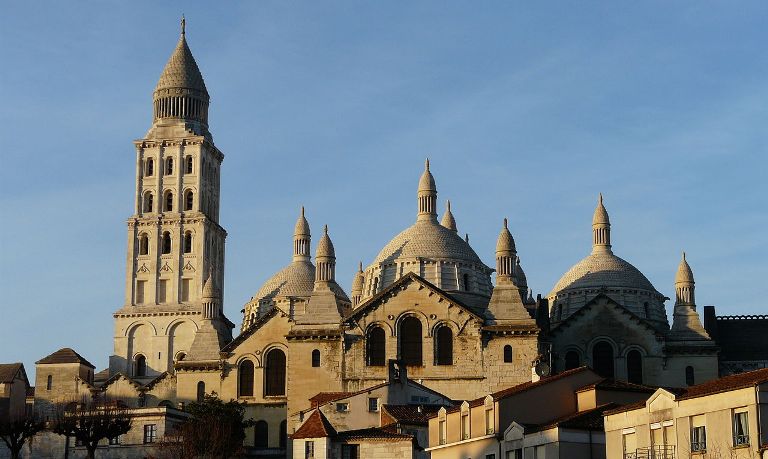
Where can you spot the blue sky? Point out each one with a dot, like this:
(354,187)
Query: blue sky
(526,110)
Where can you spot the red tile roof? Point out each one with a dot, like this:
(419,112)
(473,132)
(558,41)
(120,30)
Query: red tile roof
(316,426)
(411,414)
(624,386)
(591,419)
(324,397)
(381,433)
(728,383)
(65,355)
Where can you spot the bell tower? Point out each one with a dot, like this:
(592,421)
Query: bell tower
(174,237)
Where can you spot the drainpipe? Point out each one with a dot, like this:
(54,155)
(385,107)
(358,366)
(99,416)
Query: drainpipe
(757,406)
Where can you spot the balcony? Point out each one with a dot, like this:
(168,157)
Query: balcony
(652,452)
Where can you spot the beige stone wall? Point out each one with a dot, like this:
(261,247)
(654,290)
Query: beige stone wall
(322,448)
(273,415)
(304,380)
(67,385)
(377,449)
(475,448)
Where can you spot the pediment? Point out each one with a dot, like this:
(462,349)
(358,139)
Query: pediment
(604,304)
(275,317)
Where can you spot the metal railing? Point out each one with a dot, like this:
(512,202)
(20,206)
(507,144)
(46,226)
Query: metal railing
(740,440)
(652,452)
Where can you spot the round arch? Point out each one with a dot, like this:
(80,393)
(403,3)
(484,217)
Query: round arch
(420,316)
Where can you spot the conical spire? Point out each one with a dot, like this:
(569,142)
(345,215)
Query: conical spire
(301,238)
(505,254)
(427,194)
(686,324)
(325,259)
(448,220)
(180,99)
(325,247)
(601,228)
(357,285)
(684,284)
(209,290)
(684,273)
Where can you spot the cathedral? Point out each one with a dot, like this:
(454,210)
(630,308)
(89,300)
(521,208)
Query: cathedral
(427,302)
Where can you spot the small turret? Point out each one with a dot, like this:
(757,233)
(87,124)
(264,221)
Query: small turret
(357,286)
(448,220)
(301,239)
(328,302)
(506,254)
(601,228)
(325,259)
(686,324)
(211,299)
(684,284)
(427,194)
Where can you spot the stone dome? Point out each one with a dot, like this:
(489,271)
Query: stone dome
(427,239)
(684,273)
(602,269)
(296,279)
(181,71)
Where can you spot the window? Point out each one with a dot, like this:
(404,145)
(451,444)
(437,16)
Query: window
(342,407)
(740,429)
(261,434)
(572,360)
(489,422)
(646,310)
(149,171)
(629,443)
(602,359)
(283,434)
(245,379)
(350,451)
(143,244)
(689,379)
(274,373)
(187,242)
(189,165)
(185,283)
(634,367)
(169,166)
(189,199)
(375,285)
(465,278)
(375,347)
(373,404)
(140,284)
(465,426)
(309,449)
(442,432)
(444,346)
(200,392)
(140,366)
(490,456)
(410,341)
(150,433)
(698,434)
(316,358)
(507,354)
(180,356)
(169,202)
(49,383)
(162,291)
(148,202)
(166,243)
(114,441)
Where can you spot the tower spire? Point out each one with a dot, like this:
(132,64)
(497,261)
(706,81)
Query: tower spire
(448,220)
(506,255)
(686,324)
(427,195)
(325,258)
(601,228)
(301,238)
(183,24)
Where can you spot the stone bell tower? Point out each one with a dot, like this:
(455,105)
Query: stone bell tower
(174,237)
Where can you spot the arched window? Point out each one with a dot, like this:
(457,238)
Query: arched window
(169,166)
(572,360)
(180,356)
(316,358)
(143,244)
(245,379)
(148,202)
(444,346)
(466,282)
(200,392)
(141,366)
(602,359)
(283,434)
(169,202)
(261,434)
(375,347)
(166,242)
(375,285)
(507,354)
(689,379)
(187,242)
(274,373)
(49,383)
(634,367)
(646,310)
(149,171)
(189,165)
(410,341)
(188,200)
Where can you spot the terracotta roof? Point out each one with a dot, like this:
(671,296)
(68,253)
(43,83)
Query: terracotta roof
(411,414)
(324,397)
(583,420)
(316,426)
(732,382)
(628,407)
(373,432)
(613,384)
(65,355)
(8,371)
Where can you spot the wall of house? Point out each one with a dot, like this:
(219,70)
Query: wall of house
(470,449)
(322,448)
(378,449)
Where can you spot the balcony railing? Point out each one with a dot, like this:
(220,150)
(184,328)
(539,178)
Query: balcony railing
(740,440)
(652,452)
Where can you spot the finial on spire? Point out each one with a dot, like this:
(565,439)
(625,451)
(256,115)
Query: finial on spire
(505,223)
(360,267)
(684,255)
(183,24)
(448,204)
(466,238)
(426,164)
(302,211)
(325,229)
(600,198)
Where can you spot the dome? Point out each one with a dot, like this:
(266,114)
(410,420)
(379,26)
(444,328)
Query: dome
(302,225)
(600,216)
(358,281)
(684,273)
(325,246)
(296,279)
(448,220)
(427,239)
(602,269)
(505,242)
(427,181)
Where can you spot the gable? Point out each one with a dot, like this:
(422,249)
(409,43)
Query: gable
(270,328)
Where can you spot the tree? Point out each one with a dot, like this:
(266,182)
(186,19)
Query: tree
(16,429)
(89,422)
(215,429)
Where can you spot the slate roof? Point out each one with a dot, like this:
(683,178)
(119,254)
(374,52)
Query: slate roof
(65,355)
(8,371)
(316,426)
